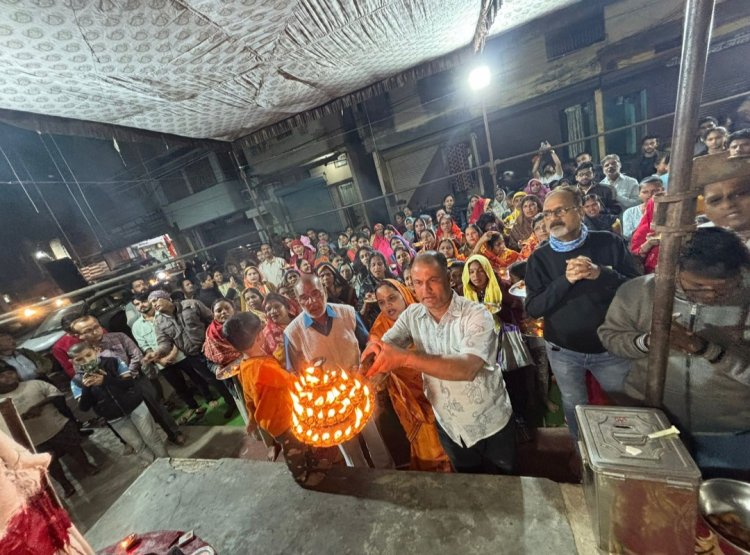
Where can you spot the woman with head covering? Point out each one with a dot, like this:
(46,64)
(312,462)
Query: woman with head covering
(481,285)
(399,242)
(645,242)
(324,253)
(253,277)
(516,204)
(403,260)
(492,247)
(380,243)
(288,280)
(339,290)
(523,226)
(299,250)
(428,240)
(221,354)
(449,230)
(252,301)
(419,227)
(216,348)
(536,188)
(448,248)
(409,233)
(405,387)
(499,204)
(377,272)
(480,207)
(279,311)
(347,272)
(473,199)
(539,236)
(427,219)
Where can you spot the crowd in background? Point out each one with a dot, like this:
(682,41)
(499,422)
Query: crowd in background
(177,330)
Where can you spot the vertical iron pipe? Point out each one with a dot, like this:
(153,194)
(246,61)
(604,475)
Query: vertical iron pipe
(493,170)
(696,38)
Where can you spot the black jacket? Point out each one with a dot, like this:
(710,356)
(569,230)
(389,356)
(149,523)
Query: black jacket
(209,296)
(573,312)
(115,398)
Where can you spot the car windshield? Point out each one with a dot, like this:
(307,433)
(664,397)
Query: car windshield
(53,321)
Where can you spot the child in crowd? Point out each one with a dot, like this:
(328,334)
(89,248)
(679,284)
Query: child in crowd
(265,385)
(105,385)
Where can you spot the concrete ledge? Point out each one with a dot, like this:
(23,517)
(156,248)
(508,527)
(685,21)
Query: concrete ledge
(241,506)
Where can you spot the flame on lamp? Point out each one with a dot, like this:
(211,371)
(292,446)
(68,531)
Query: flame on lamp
(329,406)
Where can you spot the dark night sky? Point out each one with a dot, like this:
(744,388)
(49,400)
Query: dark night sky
(91,160)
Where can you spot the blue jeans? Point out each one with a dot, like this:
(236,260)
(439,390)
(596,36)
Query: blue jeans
(717,453)
(569,368)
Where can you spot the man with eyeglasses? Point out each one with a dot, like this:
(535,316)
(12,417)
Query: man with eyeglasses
(336,333)
(589,186)
(707,383)
(570,282)
(118,345)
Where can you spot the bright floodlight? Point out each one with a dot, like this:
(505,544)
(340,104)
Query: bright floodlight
(479,78)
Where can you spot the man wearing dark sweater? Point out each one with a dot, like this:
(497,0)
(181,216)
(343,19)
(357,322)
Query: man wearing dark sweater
(570,282)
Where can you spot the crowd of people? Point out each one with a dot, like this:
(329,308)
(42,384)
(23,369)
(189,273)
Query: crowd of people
(451,310)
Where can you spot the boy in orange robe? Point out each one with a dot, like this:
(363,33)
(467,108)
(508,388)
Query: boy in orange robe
(265,386)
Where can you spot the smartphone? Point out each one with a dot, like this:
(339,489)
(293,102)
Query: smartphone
(90,367)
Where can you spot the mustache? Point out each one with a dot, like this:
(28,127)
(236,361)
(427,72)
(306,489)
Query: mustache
(556,224)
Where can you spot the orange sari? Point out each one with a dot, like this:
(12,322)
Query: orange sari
(414,411)
(528,246)
(500,263)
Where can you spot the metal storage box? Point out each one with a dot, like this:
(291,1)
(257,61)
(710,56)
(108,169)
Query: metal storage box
(642,493)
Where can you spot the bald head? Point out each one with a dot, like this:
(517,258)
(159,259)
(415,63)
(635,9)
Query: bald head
(573,195)
(432,258)
(312,295)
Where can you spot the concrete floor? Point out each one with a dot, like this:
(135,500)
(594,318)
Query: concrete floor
(550,455)
(97,493)
(243,507)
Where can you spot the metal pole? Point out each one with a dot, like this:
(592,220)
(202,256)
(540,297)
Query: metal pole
(680,215)
(491,161)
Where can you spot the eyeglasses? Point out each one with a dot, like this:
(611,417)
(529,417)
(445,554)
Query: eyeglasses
(557,212)
(313,296)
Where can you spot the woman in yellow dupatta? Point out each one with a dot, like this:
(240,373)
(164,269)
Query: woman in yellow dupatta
(405,387)
(481,285)
(251,300)
(510,219)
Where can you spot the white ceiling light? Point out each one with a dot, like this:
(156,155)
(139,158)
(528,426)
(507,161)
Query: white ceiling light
(479,78)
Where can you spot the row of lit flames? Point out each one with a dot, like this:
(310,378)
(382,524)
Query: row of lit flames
(337,391)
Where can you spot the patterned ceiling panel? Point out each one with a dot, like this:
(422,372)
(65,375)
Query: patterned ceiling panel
(220,69)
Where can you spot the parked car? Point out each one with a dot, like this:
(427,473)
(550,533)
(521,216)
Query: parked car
(108,306)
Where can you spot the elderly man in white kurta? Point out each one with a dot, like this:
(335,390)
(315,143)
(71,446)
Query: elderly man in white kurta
(455,349)
(336,333)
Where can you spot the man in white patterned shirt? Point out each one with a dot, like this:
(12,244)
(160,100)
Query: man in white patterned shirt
(456,352)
